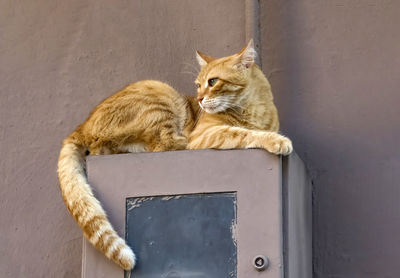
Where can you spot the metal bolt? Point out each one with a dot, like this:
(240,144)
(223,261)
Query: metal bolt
(260,262)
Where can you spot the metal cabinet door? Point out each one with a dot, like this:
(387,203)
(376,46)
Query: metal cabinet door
(189,235)
(248,181)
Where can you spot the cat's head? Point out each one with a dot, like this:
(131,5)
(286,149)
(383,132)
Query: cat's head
(221,82)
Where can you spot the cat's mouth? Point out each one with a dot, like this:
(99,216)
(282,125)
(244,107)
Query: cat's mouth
(215,104)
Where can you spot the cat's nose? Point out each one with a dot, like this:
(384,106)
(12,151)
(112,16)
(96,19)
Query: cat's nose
(200,99)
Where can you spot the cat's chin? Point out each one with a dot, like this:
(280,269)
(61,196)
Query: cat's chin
(214,109)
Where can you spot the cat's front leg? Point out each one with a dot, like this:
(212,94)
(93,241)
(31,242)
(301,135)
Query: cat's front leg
(228,137)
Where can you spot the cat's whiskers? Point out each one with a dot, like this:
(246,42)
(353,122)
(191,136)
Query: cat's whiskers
(190,73)
(191,67)
(238,106)
(235,110)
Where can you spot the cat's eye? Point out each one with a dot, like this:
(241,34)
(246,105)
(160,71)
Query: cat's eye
(212,81)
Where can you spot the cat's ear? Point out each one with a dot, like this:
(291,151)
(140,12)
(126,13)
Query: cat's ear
(203,59)
(246,57)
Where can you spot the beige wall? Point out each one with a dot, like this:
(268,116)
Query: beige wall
(334,66)
(58,60)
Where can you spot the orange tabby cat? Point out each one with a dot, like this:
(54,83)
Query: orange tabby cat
(234,109)
(238,105)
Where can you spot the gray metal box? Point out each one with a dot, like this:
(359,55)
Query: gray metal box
(205,213)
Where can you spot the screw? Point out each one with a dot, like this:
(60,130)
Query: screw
(260,262)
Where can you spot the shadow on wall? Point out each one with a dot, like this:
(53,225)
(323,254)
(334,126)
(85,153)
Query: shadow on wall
(335,85)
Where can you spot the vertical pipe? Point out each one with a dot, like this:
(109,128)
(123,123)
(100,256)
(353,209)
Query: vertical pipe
(252,25)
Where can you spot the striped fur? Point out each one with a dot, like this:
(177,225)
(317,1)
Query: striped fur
(235,112)
(145,116)
(239,108)
(85,208)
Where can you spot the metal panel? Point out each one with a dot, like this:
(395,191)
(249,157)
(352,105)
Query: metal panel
(183,235)
(297,218)
(254,175)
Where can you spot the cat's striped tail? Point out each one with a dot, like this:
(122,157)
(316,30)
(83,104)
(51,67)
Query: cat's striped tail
(85,208)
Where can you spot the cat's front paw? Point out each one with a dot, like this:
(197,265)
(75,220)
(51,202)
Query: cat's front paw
(279,145)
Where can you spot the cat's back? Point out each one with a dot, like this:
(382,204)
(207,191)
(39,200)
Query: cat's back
(140,103)
(143,91)
(136,97)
